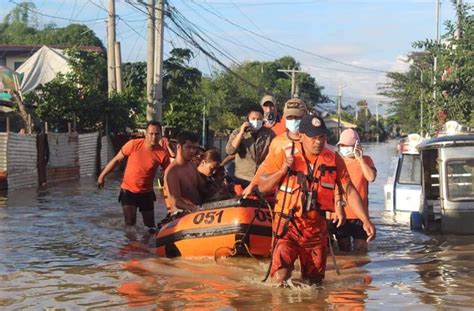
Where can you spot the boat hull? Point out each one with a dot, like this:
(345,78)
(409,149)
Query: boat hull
(217,231)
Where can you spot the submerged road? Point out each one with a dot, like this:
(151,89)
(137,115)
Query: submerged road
(65,247)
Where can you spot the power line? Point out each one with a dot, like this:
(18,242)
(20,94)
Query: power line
(259,43)
(194,28)
(60,17)
(224,5)
(265,53)
(288,45)
(192,41)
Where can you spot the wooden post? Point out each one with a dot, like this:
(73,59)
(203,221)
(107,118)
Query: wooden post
(8,125)
(106,125)
(150,64)
(29,124)
(112,83)
(74,121)
(46,127)
(118,67)
(69,127)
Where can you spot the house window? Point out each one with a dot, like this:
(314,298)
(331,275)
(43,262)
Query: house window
(16,65)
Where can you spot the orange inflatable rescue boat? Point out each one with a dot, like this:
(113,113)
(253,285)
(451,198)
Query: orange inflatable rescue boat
(235,227)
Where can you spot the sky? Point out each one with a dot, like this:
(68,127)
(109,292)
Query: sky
(320,34)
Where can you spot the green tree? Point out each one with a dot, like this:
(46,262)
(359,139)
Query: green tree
(183,104)
(452,95)
(82,94)
(20,26)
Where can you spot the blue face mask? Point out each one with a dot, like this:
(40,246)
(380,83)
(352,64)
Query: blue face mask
(346,151)
(293,125)
(256,124)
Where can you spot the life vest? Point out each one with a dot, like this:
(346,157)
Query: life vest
(308,189)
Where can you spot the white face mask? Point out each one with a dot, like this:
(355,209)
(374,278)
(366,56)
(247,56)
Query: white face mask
(293,125)
(256,124)
(346,151)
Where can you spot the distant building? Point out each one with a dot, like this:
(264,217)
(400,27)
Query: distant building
(331,124)
(13,56)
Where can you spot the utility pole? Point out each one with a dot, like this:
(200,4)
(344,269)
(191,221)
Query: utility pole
(204,142)
(339,103)
(158,76)
(150,64)
(458,33)
(435,61)
(377,120)
(292,74)
(112,84)
(118,67)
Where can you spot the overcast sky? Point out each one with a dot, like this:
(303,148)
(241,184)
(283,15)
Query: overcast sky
(368,33)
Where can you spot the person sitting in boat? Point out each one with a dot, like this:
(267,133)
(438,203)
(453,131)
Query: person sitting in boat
(307,175)
(181,180)
(249,143)
(211,177)
(361,168)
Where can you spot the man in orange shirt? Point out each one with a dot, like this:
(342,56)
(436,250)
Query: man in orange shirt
(271,119)
(144,156)
(306,175)
(362,170)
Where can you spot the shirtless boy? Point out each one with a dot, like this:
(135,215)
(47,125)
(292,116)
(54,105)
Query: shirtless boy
(181,183)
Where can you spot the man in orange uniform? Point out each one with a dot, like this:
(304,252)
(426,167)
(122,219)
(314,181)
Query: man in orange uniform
(362,170)
(306,175)
(271,119)
(293,112)
(145,155)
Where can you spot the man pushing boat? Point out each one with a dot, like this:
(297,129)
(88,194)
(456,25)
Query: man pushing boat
(144,155)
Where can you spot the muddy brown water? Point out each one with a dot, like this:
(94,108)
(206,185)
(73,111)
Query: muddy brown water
(65,248)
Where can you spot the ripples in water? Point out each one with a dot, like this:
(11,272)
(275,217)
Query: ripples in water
(66,247)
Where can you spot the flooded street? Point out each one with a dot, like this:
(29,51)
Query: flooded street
(65,247)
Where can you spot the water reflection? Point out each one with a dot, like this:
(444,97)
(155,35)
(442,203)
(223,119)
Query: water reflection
(200,283)
(66,247)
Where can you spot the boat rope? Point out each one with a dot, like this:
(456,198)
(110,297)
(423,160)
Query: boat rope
(241,242)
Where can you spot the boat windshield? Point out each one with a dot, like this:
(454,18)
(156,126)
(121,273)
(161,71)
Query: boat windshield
(410,170)
(460,179)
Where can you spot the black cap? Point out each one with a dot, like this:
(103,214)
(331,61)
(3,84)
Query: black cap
(312,126)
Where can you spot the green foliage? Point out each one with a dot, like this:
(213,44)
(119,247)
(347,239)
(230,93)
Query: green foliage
(183,103)
(21,13)
(452,94)
(20,27)
(82,94)
(134,78)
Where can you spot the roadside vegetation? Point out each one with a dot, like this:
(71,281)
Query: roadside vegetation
(444,94)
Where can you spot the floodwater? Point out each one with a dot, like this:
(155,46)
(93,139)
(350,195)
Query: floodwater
(66,248)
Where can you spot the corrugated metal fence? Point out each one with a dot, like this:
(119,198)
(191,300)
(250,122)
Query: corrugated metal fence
(70,156)
(63,156)
(88,148)
(3,160)
(22,156)
(107,151)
